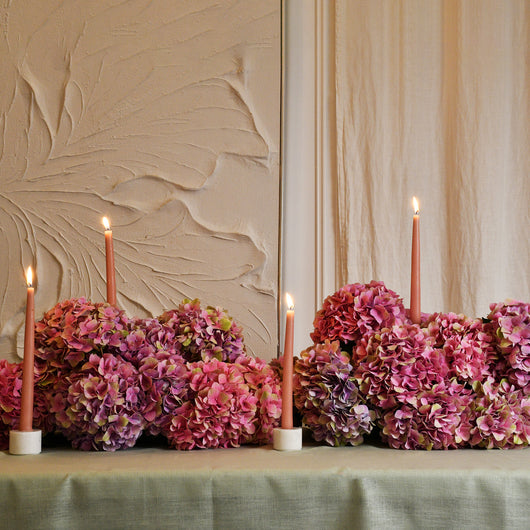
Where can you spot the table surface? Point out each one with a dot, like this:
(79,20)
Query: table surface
(368,486)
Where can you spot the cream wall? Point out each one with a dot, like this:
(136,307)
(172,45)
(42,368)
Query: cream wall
(163,115)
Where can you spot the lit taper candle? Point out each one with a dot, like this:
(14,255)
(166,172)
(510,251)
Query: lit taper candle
(415,284)
(109,253)
(26,408)
(287,382)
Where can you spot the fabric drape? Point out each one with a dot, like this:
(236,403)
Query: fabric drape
(432,99)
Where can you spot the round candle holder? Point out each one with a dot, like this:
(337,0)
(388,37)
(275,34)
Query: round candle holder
(25,442)
(287,439)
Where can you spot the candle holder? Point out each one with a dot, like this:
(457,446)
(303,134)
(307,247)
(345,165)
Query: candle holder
(287,439)
(25,442)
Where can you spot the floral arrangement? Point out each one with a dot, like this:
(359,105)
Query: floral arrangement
(103,379)
(450,382)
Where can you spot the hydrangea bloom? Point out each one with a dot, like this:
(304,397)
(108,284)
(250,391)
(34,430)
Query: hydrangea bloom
(509,323)
(10,403)
(467,346)
(357,310)
(264,383)
(220,412)
(436,418)
(501,416)
(204,333)
(148,337)
(72,330)
(10,387)
(100,405)
(327,396)
(398,363)
(163,380)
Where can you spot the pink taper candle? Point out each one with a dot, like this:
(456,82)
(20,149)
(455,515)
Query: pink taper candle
(26,409)
(415,285)
(109,252)
(287,382)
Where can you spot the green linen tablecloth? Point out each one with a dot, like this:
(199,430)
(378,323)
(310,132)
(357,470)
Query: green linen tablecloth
(257,487)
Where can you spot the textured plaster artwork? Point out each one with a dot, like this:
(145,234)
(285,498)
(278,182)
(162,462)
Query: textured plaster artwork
(162,115)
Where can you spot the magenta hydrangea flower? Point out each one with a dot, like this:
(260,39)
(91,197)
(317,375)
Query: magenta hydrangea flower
(509,323)
(398,363)
(220,412)
(501,416)
(148,337)
(10,403)
(164,383)
(466,344)
(437,418)
(204,333)
(356,310)
(264,382)
(10,387)
(100,406)
(73,329)
(327,396)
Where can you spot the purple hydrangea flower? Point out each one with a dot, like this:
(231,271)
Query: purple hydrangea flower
(327,396)
(163,379)
(100,406)
(204,333)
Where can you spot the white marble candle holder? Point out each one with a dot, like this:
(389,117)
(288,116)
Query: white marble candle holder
(287,439)
(25,442)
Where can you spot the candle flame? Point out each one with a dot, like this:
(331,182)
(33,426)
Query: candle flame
(415,205)
(29,277)
(289,300)
(106,223)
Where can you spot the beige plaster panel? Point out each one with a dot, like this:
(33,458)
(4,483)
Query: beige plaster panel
(162,115)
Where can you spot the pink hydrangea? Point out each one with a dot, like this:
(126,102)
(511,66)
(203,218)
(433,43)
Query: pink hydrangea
(148,337)
(265,384)
(327,396)
(509,323)
(10,387)
(100,406)
(398,363)
(204,333)
(10,403)
(220,412)
(164,383)
(436,418)
(501,416)
(357,310)
(73,329)
(466,344)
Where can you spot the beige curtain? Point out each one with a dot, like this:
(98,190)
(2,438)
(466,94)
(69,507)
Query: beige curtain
(432,100)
